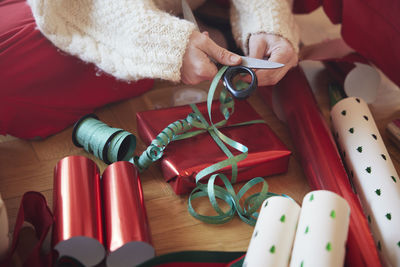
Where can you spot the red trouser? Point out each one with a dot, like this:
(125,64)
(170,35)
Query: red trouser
(43,90)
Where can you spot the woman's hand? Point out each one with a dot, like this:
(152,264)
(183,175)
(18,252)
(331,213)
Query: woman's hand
(197,66)
(276,49)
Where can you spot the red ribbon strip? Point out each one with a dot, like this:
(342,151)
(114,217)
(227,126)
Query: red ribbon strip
(33,209)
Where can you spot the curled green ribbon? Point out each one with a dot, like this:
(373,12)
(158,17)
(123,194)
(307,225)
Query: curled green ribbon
(155,150)
(248,214)
(179,130)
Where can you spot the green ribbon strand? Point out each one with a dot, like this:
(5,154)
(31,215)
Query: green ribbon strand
(248,214)
(155,150)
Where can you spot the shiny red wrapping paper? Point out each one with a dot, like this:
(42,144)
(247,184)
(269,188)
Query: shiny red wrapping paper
(183,159)
(78,224)
(320,159)
(125,216)
(76,200)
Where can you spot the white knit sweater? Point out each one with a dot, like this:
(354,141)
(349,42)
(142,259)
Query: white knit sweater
(135,39)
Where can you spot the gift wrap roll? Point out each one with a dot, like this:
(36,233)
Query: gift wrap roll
(321,162)
(126,226)
(374,176)
(322,231)
(273,235)
(4,238)
(77,229)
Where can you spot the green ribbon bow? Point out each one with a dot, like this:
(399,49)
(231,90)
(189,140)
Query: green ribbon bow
(179,130)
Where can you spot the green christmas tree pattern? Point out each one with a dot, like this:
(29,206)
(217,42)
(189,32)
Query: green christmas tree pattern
(368,169)
(333,214)
(378,192)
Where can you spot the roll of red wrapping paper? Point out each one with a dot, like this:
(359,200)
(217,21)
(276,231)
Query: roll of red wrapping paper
(78,227)
(126,226)
(320,159)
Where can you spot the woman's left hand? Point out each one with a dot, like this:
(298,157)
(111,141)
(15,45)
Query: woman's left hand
(275,48)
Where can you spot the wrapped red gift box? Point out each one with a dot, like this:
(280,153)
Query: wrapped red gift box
(183,159)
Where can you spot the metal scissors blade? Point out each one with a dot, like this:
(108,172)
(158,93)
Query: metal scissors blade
(256,63)
(188,14)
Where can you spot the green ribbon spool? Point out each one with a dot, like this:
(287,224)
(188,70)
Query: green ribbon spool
(107,143)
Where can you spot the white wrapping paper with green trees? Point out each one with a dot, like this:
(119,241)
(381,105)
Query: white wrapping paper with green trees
(372,172)
(317,232)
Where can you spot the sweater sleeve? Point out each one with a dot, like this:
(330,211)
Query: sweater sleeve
(129,39)
(263,16)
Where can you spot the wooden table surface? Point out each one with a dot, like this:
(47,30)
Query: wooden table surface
(28,166)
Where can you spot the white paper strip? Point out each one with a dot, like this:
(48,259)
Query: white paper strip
(372,172)
(4,237)
(273,235)
(322,231)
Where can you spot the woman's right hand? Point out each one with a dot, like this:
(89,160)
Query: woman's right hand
(197,66)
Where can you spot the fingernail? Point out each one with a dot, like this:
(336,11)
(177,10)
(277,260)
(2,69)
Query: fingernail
(234,58)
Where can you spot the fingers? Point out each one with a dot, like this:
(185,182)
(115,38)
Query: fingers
(196,66)
(219,54)
(279,50)
(257,47)
(271,77)
(283,54)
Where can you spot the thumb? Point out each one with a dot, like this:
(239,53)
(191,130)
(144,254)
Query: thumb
(219,54)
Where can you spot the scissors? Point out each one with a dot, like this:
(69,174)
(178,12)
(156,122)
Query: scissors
(246,66)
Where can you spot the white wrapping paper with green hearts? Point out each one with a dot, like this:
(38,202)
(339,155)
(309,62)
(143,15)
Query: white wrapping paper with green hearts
(322,225)
(372,172)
